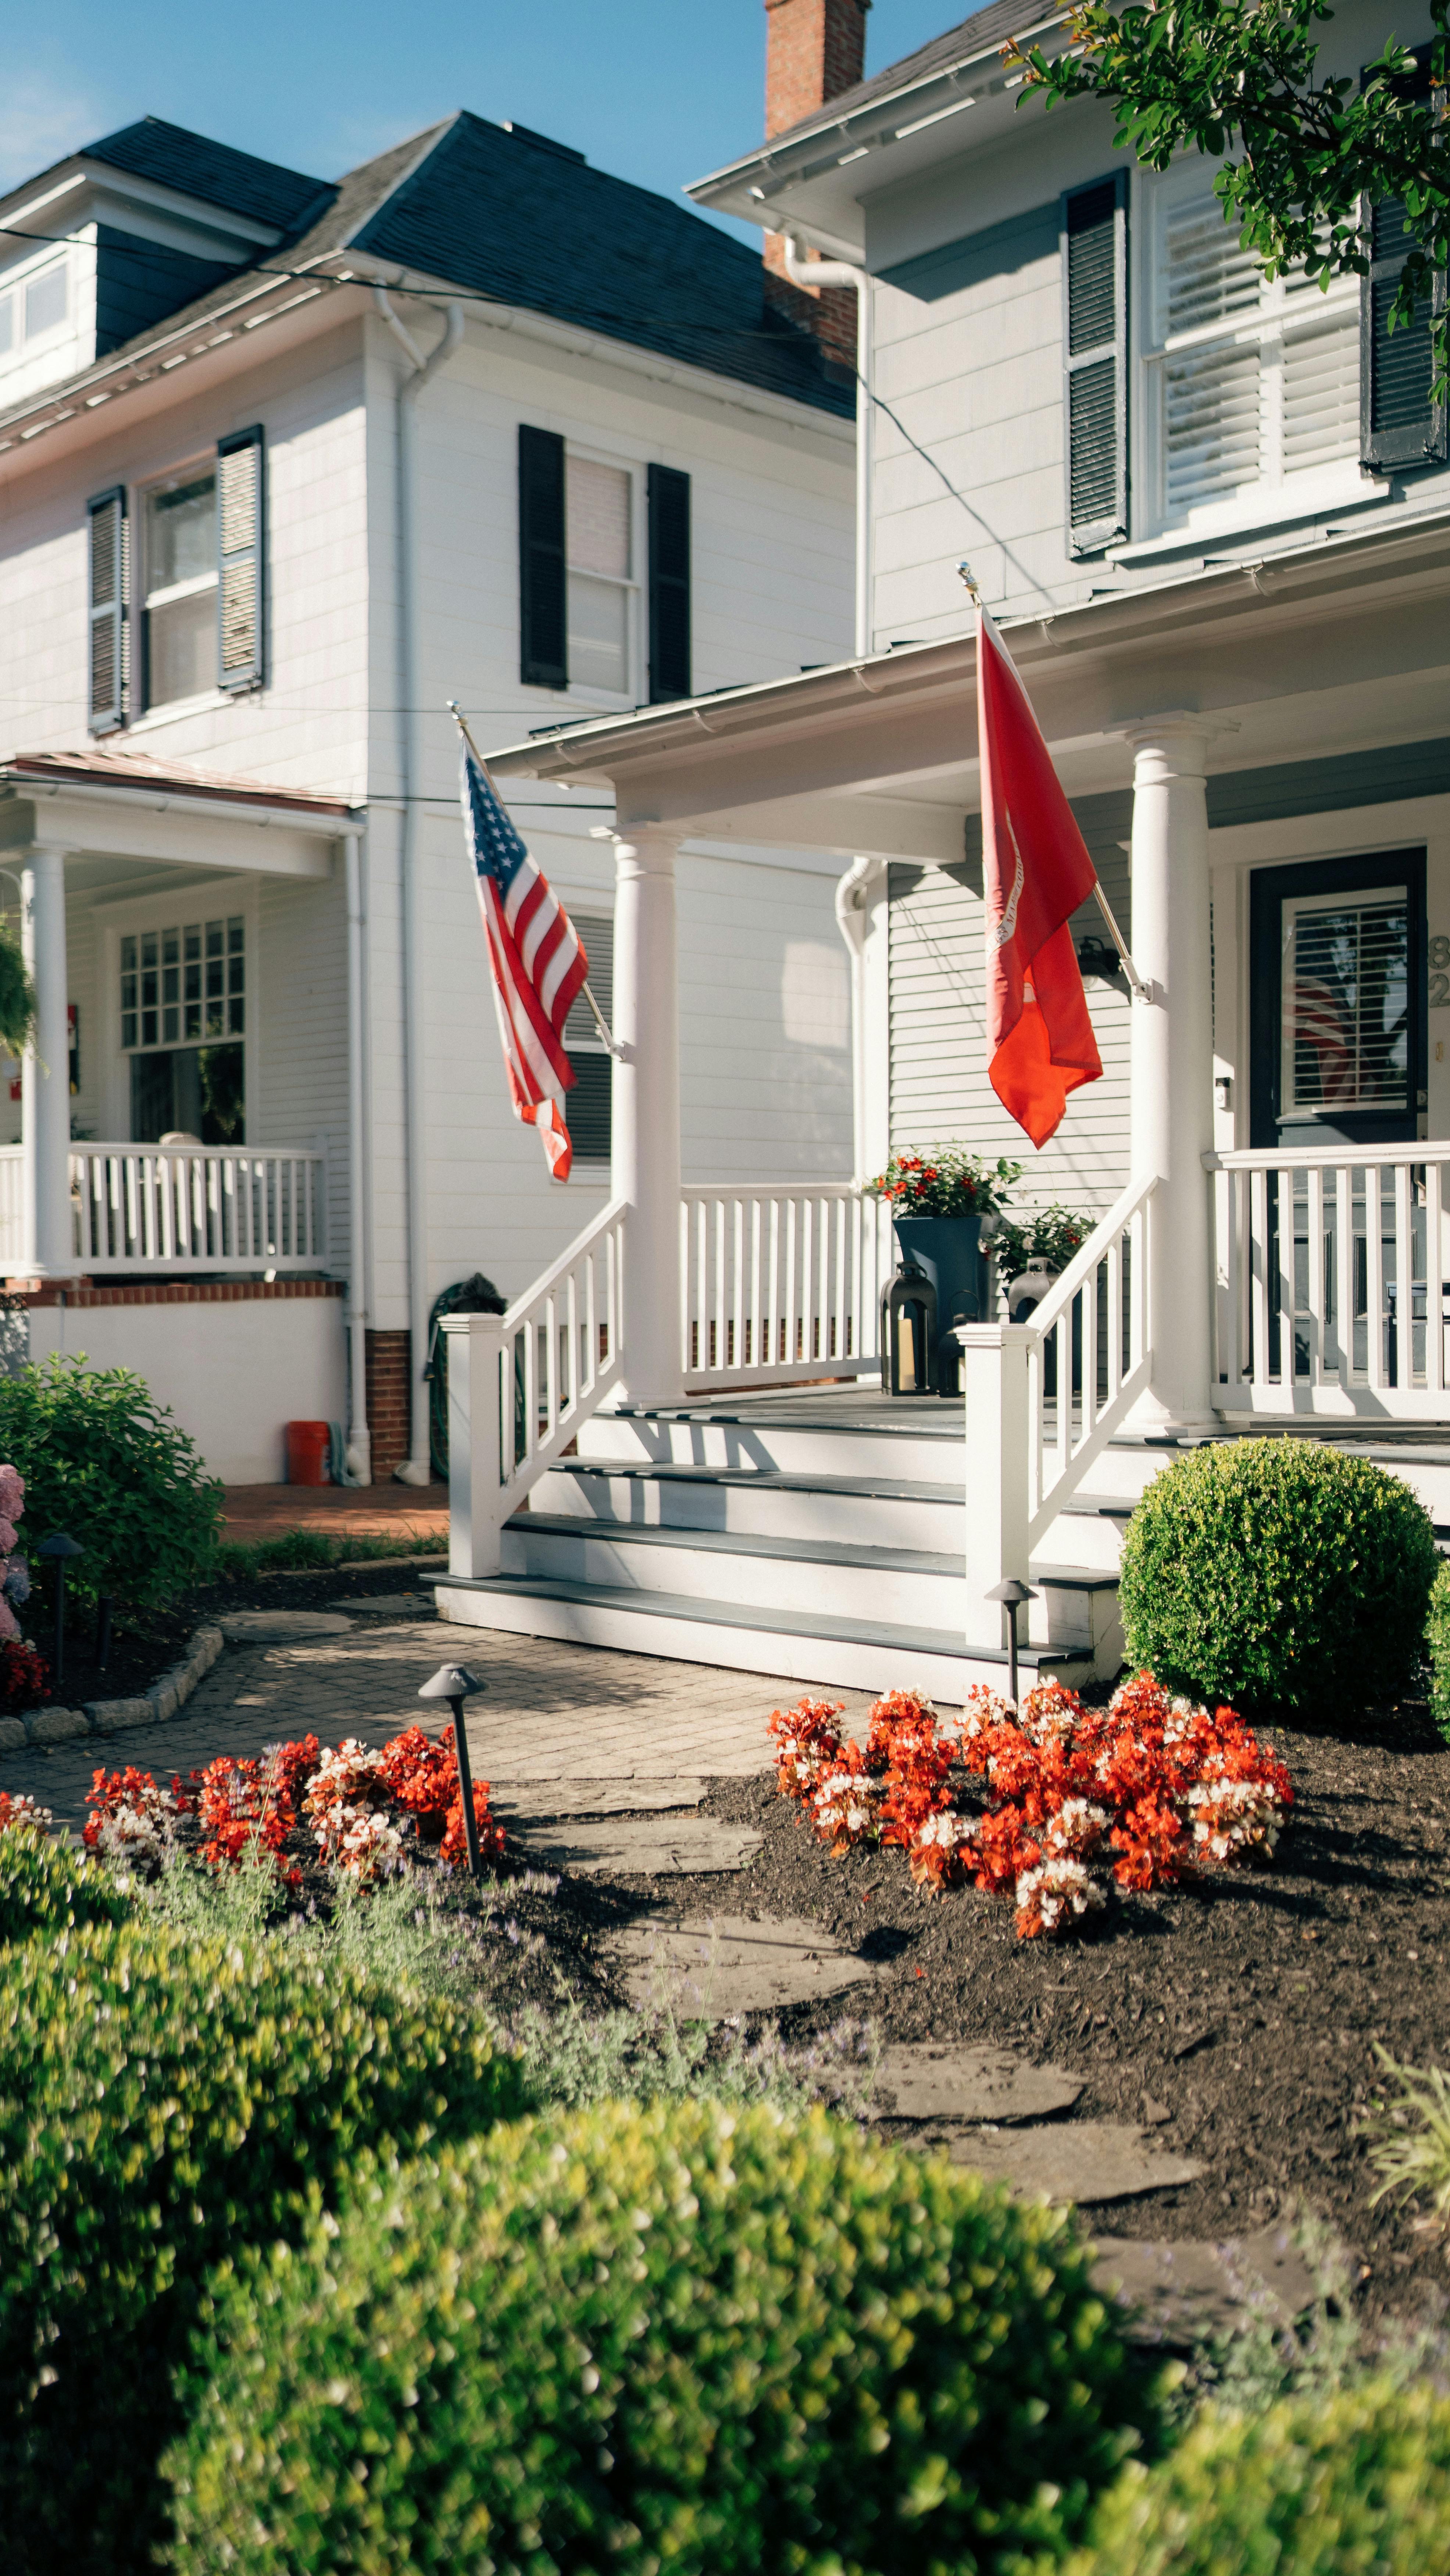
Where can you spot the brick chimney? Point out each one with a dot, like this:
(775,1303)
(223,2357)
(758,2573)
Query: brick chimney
(814,49)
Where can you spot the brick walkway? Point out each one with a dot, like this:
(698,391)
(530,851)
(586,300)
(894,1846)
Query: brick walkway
(342,1511)
(551,1711)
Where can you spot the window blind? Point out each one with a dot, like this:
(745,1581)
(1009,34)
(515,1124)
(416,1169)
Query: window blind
(240,510)
(1345,1003)
(107,531)
(1094,259)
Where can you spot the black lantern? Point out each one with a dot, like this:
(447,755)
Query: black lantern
(58,1549)
(1012,1594)
(455,1683)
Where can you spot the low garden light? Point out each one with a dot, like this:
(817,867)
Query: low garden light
(455,1683)
(1012,1594)
(58,1549)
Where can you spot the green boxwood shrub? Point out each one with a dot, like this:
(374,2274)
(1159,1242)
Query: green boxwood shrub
(682,2337)
(1437,1647)
(45,1886)
(1355,2485)
(1279,1576)
(107,1464)
(163,2101)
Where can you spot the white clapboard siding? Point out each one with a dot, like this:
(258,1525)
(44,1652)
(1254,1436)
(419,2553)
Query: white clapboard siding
(939,1086)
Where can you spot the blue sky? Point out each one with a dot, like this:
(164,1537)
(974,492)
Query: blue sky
(659,91)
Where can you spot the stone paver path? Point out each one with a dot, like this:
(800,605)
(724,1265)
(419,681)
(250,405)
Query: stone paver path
(709,1967)
(1184,2287)
(921,2082)
(651,1846)
(1074,2160)
(551,1712)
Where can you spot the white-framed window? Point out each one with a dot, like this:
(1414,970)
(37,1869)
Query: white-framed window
(599,523)
(182,1018)
(47,299)
(179,585)
(1252,385)
(588,1107)
(1344,1008)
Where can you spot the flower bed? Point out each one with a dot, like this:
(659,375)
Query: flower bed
(348,1808)
(1052,1803)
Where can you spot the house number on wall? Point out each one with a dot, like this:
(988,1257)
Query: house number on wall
(1439,976)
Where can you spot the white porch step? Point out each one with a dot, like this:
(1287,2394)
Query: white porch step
(926,1445)
(762,1500)
(916,1588)
(802,1646)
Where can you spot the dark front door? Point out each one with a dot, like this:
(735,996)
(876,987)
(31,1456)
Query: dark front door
(1337,996)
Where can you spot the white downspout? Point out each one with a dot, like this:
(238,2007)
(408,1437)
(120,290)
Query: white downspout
(853,890)
(359,1438)
(416,1469)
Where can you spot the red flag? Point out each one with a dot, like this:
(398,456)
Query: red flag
(1036,871)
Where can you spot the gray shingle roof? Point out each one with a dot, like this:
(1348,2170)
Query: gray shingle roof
(970,37)
(176,158)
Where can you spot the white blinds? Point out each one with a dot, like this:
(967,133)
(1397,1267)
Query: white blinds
(1345,1001)
(1259,379)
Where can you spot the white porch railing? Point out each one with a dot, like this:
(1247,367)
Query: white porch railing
(12,1206)
(781,1284)
(1332,1280)
(1088,1357)
(199,1207)
(522,1384)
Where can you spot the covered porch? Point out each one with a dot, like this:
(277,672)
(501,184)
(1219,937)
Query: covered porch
(181,1130)
(1265,1157)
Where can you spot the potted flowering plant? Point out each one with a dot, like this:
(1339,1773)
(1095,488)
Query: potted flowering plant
(943,1203)
(1034,1250)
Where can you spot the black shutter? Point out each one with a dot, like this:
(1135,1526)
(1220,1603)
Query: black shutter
(1398,423)
(241,558)
(669,584)
(107,533)
(1094,247)
(543,581)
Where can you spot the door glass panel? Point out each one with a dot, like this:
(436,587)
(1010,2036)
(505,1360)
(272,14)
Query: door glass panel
(1345,1002)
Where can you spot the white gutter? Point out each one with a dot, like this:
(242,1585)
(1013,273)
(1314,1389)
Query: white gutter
(416,1468)
(359,1438)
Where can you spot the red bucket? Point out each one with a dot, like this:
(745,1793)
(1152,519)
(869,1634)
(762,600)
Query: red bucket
(307,1446)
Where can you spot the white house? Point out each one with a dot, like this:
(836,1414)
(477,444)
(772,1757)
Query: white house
(1212,516)
(285,464)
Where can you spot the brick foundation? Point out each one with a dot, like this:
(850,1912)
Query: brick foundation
(390,1400)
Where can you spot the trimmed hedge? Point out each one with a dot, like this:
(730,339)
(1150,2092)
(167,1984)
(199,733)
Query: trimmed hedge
(1279,1576)
(163,2101)
(1437,1647)
(680,2337)
(45,1886)
(1356,2485)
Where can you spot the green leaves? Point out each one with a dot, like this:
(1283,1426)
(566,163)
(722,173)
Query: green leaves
(162,2103)
(1280,1576)
(104,1462)
(1241,76)
(692,2337)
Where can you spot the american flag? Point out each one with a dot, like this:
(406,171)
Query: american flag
(1322,1023)
(537,960)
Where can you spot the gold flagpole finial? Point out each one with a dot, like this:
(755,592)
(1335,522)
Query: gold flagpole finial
(970,579)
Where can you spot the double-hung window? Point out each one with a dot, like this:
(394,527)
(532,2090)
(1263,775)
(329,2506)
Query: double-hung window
(1253,383)
(604,587)
(195,580)
(600,566)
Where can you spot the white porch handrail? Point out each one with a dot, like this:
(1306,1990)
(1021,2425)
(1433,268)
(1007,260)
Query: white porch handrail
(1333,1264)
(1091,1339)
(521,1385)
(777,1285)
(198,1207)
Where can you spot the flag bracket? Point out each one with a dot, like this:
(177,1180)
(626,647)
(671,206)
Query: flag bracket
(607,1041)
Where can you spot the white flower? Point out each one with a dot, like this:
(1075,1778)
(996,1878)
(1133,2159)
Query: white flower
(1077,1828)
(1058,1893)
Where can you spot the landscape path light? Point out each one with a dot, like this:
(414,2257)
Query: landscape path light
(57,1549)
(455,1683)
(1012,1594)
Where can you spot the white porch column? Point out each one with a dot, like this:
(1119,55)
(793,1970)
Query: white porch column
(645,1160)
(45,1081)
(1172,1059)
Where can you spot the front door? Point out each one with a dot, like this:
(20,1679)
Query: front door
(1337,991)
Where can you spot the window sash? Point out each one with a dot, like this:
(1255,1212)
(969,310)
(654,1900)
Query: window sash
(183,984)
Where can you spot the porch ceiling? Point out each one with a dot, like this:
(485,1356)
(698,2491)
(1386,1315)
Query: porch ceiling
(1342,646)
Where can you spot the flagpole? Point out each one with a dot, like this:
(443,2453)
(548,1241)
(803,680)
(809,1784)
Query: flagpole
(1104,907)
(454,710)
